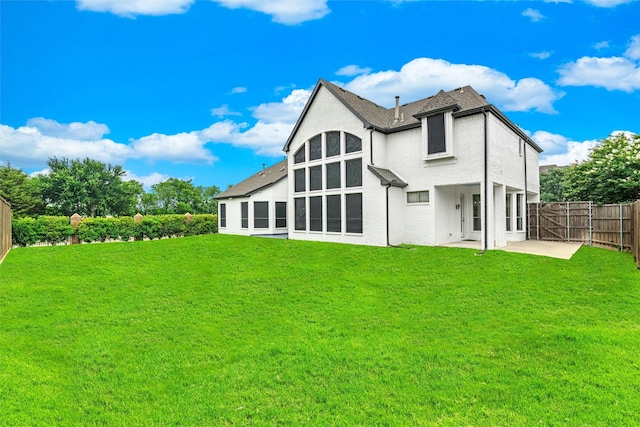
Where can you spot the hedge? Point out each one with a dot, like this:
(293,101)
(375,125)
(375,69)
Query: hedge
(53,230)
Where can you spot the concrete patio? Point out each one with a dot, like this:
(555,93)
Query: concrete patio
(563,250)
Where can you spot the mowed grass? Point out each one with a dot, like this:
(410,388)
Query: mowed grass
(227,330)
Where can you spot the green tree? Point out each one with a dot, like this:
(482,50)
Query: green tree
(87,187)
(176,196)
(209,203)
(611,174)
(21,191)
(552,185)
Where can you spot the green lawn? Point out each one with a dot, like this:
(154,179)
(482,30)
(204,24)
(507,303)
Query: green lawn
(226,330)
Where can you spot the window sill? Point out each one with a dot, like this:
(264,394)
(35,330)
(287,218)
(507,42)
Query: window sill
(439,156)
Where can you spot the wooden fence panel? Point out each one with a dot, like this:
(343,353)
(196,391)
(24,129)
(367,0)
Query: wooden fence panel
(584,222)
(635,213)
(5,228)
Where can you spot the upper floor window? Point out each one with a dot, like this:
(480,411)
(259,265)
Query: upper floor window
(315,178)
(352,144)
(353,172)
(299,180)
(315,148)
(437,136)
(299,157)
(332,145)
(436,143)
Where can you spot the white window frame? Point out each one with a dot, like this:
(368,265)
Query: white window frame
(449,140)
(421,197)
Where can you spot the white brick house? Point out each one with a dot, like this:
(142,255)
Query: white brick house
(446,168)
(257,205)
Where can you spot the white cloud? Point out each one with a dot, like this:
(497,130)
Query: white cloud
(540,55)
(238,89)
(601,45)
(633,49)
(560,150)
(423,77)
(608,3)
(283,11)
(223,111)
(29,146)
(264,138)
(180,148)
(146,180)
(286,111)
(130,8)
(533,14)
(613,73)
(81,131)
(352,70)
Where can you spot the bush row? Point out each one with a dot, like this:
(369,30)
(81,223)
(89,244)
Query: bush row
(53,230)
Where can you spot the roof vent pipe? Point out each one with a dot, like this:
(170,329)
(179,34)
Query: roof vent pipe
(396,116)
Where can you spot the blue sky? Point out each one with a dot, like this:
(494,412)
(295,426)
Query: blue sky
(209,90)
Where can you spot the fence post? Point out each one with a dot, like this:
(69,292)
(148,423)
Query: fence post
(136,219)
(590,223)
(568,226)
(538,221)
(621,231)
(75,220)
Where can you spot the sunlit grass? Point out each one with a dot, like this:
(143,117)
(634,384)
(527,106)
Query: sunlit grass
(224,330)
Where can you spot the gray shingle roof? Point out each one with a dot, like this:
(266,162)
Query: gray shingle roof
(464,100)
(258,181)
(386,176)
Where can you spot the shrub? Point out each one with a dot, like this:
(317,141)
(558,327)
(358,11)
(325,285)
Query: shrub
(54,229)
(202,224)
(24,231)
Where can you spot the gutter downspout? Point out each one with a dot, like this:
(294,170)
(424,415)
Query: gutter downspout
(388,239)
(371,145)
(486,181)
(526,191)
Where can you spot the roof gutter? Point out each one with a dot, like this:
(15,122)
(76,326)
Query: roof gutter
(486,182)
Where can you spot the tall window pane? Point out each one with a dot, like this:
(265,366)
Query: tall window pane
(354,212)
(333,144)
(299,180)
(435,128)
(299,157)
(261,214)
(477,210)
(281,214)
(315,148)
(315,178)
(354,172)
(352,144)
(315,213)
(244,214)
(333,175)
(334,213)
(519,210)
(301,213)
(223,214)
(508,211)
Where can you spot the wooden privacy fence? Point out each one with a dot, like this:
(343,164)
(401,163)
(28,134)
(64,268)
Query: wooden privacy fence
(616,225)
(5,228)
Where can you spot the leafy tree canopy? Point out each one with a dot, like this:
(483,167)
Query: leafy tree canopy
(552,185)
(87,187)
(21,191)
(611,174)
